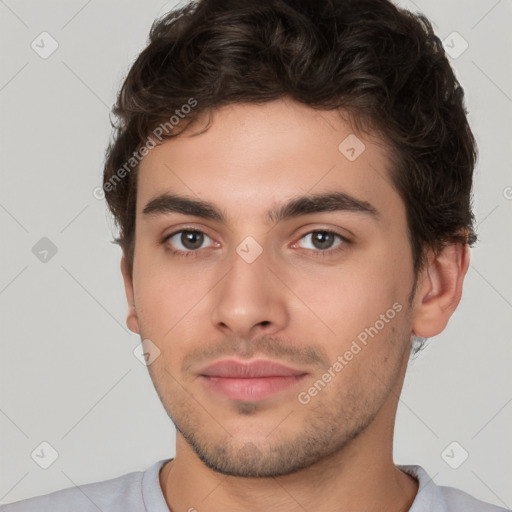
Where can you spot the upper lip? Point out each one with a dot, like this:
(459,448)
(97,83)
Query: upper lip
(231,368)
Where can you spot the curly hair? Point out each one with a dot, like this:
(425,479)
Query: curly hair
(381,64)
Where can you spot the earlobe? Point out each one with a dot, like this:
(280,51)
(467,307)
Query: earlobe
(132,320)
(440,289)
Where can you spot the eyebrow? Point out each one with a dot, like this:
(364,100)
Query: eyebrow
(302,205)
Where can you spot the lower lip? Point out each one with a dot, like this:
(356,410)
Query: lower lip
(250,390)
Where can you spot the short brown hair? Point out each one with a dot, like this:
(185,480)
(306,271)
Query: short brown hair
(382,64)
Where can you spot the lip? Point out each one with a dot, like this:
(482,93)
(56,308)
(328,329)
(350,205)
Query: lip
(249,381)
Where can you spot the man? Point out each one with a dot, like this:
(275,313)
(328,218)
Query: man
(292,184)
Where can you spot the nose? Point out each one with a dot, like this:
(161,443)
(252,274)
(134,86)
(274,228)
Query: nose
(250,300)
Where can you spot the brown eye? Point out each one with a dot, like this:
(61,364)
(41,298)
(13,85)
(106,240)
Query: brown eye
(192,239)
(323,240)
(186,240)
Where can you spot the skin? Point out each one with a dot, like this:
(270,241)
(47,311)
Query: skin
(293,304)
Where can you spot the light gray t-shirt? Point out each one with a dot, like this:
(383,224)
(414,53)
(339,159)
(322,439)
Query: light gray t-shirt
(140,491)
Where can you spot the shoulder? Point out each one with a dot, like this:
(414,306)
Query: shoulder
(437,498)
(456,499)
(117,494)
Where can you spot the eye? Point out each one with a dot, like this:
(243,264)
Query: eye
(190,240)
(322,241)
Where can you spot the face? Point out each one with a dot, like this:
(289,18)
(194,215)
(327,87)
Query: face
(278,335)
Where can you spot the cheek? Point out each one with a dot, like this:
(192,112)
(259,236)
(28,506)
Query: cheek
(168,297)
(352,296)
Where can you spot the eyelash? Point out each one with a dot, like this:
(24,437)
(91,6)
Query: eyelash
(319,253)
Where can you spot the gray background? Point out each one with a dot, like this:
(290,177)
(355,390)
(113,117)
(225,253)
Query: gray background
(68,373)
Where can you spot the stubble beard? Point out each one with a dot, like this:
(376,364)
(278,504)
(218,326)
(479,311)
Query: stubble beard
(322,433)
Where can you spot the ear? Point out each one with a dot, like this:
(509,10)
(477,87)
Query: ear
(132,320)
(439,289)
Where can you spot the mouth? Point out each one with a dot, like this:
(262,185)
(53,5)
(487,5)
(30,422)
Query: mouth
(249,382)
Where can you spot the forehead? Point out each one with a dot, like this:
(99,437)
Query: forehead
(254,156)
